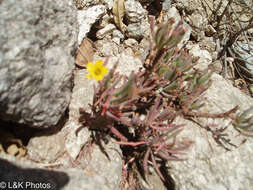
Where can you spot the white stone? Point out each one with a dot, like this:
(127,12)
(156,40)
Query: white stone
(131,42)
(74,143)
(139,30)
(118,34)
(86,18)
(116,40)
(106,30)
(134,11)
(106,48)
(105,21)
(166,4)
(127,63)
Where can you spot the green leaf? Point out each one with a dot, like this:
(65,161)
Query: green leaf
(203,80)
(173,85)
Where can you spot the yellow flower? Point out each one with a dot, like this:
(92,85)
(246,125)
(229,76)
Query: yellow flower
(96,71)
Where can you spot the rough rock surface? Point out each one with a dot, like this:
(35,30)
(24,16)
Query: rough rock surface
(117,36)
(46,149)
(166,4)
(209,166)
(106,48)
(189,6)
(64,179)
(80,4)
(134,11)
(105,31)
(137,17)
(138,30)
(209,44)
(198,22)
(37,40)
(86,18)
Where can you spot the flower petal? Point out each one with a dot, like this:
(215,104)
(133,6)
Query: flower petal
(99,77)
(89,76)
(99,63)
(90,66)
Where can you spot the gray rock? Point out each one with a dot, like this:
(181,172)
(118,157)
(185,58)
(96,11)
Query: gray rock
(189,6)
(208,44)
(80,4)
(131,42)
(86,18)
(144,49)
(166,5)
(138,30)
(117,36)
(198,23)
(127,63)
(117,33)
(116,40)
(104,21)
(94,162)
(134,11)
(108,170)
(13,170)
(197,20)
(47,148)
(82,95)
(36,61)
(106,48)
(153,181)
(137,20)
(208,165)
(105,31)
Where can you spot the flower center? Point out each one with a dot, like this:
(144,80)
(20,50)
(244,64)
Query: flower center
(98,71)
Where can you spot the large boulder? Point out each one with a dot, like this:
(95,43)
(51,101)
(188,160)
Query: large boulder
(37,41)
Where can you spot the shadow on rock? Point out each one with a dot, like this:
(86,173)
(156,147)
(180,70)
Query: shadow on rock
(15,177)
